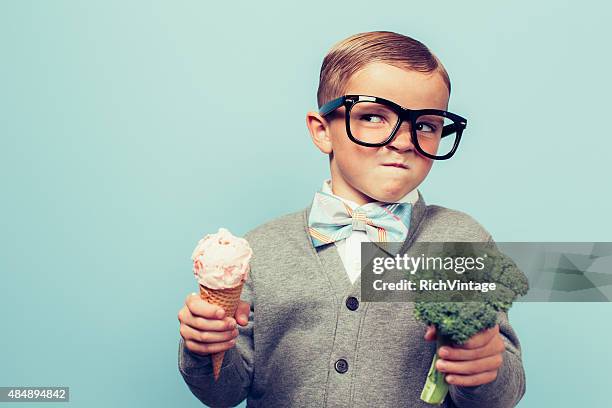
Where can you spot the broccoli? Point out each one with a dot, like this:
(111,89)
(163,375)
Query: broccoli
(457,321)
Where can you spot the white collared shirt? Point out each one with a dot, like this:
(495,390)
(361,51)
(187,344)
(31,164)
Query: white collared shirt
(349,249)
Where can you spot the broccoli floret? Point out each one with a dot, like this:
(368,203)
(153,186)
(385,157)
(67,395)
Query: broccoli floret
(458,321)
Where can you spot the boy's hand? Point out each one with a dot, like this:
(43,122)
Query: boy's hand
(474,362)
(206,329)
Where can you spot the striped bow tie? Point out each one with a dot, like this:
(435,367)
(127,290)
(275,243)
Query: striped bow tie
(331,219)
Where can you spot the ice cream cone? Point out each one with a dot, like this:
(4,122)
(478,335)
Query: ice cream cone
(228,299)
(221,266)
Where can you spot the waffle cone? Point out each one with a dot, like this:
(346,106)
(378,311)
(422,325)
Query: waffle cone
(227,299)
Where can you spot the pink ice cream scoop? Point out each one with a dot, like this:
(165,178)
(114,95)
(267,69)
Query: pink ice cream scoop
(221,260)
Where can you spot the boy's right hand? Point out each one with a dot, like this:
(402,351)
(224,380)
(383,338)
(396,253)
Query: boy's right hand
(206,329)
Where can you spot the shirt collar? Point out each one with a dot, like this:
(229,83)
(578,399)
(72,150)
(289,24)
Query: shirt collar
(411,197)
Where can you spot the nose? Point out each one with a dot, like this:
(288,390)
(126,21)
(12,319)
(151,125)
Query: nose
(402,141)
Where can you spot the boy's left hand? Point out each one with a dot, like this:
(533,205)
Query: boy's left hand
(474,362)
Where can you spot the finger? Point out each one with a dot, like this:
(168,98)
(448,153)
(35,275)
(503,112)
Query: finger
(208,348)
(242,313)
(198,307)
(201,323)
(481,338)
(430,334)
(471,380)
(189,333)
(495,346)
(470,367)
(183,313)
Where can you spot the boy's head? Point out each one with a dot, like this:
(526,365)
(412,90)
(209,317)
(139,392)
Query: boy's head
(390,66)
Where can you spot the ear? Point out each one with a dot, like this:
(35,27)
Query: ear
(319,132)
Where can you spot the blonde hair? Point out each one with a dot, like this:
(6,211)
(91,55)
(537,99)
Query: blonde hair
(350,55)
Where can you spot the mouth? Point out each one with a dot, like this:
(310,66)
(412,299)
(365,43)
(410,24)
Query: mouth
(396,164)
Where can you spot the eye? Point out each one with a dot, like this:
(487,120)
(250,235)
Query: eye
(426,127)
(373,118)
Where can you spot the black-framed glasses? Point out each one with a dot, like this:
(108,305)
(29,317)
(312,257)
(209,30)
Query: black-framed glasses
(372,121)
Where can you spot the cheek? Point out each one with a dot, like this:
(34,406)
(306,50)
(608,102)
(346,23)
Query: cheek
(355,160)
(424,164)
(351,157)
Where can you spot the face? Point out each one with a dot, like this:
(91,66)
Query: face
(364,174)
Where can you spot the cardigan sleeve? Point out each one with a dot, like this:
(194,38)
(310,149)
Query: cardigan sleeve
(509,386)
(236,375)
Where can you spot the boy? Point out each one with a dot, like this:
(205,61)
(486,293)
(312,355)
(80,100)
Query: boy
(305,339)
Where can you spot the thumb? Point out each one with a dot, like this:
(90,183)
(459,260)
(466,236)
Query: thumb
(242,313)
(430,334)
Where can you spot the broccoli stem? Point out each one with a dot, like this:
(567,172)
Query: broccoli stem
(436,387)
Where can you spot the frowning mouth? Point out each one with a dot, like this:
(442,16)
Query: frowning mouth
(400,165)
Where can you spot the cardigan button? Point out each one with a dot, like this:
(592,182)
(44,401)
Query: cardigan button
(352,303)
(341,366)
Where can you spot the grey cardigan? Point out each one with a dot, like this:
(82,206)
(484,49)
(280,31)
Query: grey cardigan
(300,325)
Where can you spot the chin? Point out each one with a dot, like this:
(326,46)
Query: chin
(389,196)
(393,192)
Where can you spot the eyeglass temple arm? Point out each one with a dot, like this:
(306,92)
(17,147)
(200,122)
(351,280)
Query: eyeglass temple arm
(452,128)
(331,106)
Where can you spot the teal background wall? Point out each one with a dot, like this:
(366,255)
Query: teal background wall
(128,129)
